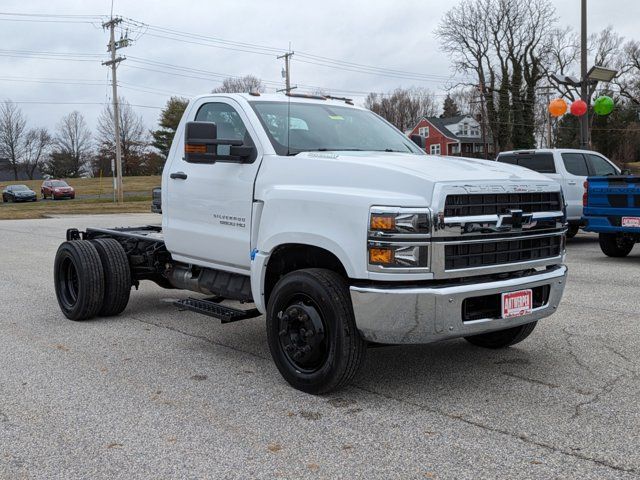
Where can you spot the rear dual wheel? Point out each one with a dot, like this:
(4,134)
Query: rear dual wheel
(91,278)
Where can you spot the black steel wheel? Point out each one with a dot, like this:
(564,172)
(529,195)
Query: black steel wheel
(615,245)
(117,276)
(312,332)
(502,338)
(78,279)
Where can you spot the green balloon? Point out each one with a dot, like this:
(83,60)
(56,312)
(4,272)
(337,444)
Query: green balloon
(603,105)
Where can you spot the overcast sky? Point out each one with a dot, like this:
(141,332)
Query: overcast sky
(393,35)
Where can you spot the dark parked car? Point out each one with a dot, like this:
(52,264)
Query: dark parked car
(156,200)
(57,189)
(18,193)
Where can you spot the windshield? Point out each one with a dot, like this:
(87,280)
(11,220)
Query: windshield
(322,127)
(19,188)
(59,183)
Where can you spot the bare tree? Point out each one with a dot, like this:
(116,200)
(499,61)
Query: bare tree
(503,44)
(628,65)
(135,140)
(403,107)
(12,132)
(246,84)
(36,144)
(72,149)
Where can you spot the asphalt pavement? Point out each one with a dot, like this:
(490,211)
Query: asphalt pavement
(158,393)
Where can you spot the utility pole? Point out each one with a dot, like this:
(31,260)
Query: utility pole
(549,136)
(113,63)
(287,70)
(584,83)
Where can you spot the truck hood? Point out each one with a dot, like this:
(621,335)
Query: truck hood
(429,167)
(384,178)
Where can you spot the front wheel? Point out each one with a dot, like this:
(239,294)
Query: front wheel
(502,338)
(615,245)
(312,332)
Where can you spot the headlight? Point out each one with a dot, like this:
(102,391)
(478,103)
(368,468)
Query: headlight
(398,239)
(383,220)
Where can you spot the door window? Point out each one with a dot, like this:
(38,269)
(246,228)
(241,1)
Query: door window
(228,122)
(599,166)
(576,164)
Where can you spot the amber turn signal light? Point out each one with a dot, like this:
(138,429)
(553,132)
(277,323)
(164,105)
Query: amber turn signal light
(383,222)
(380,256)
(195,148)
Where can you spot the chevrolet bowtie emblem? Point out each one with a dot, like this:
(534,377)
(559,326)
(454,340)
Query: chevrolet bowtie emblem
(515,219)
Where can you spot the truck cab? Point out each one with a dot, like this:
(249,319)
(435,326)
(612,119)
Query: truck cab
(338,228)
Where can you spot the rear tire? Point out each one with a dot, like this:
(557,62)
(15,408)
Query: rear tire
(502,338)
(79,280)
(117,276)
(312,332)
(614,245)
(572,231)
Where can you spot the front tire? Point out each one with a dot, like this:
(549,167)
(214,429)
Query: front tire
(79,280)
(312,332)
(502,338)
(117,276)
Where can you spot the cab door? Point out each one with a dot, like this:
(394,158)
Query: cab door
(576,172)
(208,205)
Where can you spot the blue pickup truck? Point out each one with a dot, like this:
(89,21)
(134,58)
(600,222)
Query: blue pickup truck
(612,209)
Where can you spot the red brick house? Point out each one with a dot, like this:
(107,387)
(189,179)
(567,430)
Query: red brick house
(459,136)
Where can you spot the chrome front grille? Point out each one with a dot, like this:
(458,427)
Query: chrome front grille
(479,230)
(464,205)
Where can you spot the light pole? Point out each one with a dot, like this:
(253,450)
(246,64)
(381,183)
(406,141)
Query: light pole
(584,87)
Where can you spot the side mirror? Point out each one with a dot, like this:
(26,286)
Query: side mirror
(626,171)
(418,140)
(201,144)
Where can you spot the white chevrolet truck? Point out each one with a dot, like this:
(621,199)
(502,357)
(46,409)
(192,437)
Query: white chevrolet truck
(336,227)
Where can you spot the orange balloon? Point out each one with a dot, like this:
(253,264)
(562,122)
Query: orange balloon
(557,107)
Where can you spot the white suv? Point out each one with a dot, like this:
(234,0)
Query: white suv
(570,168)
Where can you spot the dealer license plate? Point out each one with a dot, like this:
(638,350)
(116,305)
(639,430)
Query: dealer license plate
(517,304)
(633,222)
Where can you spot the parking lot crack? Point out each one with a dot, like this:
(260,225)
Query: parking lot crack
(568,337)
(607,388)
(530,380)
(518,436)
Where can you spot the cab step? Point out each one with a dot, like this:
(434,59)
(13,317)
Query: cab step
(211,307)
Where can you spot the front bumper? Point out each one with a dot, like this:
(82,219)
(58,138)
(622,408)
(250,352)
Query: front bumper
(427,314)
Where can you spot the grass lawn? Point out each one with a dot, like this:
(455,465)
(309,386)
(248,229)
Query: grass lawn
(97,186)
(41,209)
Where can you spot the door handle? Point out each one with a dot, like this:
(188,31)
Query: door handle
(178,175)
(571,182)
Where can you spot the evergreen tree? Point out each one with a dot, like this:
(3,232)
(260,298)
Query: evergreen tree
(169,120)
(450,108)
